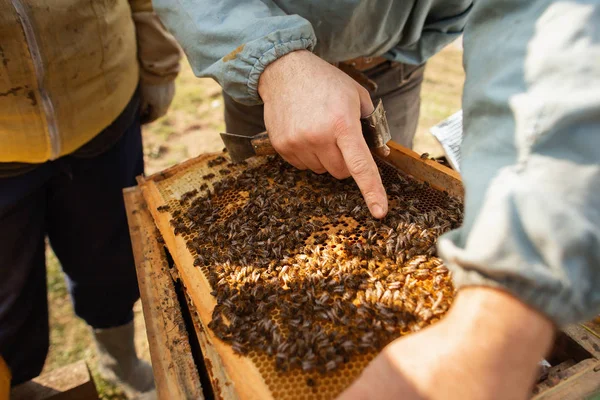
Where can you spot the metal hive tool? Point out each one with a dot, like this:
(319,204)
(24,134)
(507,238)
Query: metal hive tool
(308,286)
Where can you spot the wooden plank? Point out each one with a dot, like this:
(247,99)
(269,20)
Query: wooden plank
(585,339)
(175,372)
(212,361)
(555,374)
(593,326)
(578,382)
(240,377)
(134,208)
(437,175)
(169,172)
(70,382)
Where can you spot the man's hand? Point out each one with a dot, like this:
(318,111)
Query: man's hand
(487,347)
(312,114)
(156,100)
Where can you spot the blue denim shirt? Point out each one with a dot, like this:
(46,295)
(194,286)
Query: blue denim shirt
(531,151)
(233,41)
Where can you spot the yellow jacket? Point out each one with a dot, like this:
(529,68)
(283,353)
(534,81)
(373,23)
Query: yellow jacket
(68,68)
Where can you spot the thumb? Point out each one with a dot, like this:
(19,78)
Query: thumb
(366,104)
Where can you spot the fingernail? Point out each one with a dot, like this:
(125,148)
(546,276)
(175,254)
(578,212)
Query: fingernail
(377,211)
(386,151)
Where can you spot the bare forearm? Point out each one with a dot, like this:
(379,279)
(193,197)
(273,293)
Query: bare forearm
(499,336)
(487,347)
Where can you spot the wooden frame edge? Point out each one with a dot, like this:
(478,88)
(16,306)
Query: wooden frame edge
(246,384)
(438,176)
(175,372)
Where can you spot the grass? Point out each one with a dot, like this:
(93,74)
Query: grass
(192,128)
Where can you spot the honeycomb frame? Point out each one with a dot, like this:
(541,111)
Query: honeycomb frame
(249,377)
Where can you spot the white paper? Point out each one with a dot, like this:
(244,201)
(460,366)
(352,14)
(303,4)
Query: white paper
(449,133)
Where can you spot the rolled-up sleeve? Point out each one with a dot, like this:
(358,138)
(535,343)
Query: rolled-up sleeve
(233,41)
(531,156)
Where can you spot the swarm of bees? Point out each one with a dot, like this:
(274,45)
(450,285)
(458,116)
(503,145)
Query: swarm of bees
(302,272)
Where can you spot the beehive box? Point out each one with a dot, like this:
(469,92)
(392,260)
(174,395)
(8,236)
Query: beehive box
(255,374)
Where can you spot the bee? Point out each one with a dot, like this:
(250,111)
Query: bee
(308,365)
(409,270)
(441,269)
(387,296)
(187,195)
(438,301)
(422,274)
(217,161)
(331,365)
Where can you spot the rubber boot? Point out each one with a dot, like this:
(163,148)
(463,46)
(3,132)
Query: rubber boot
(118,362)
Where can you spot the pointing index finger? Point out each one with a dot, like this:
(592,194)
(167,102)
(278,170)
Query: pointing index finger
(363,169)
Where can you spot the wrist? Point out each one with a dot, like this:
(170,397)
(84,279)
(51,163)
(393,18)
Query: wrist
(500,337)
(480,310)
(275,73)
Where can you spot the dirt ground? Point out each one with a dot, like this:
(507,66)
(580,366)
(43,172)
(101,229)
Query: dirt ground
(191,128)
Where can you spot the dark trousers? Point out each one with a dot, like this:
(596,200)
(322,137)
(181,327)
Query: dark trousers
(398,86)
(77,203)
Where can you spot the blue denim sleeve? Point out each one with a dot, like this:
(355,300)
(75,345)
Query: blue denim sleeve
(531,156)
(233,41)
(431,26)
